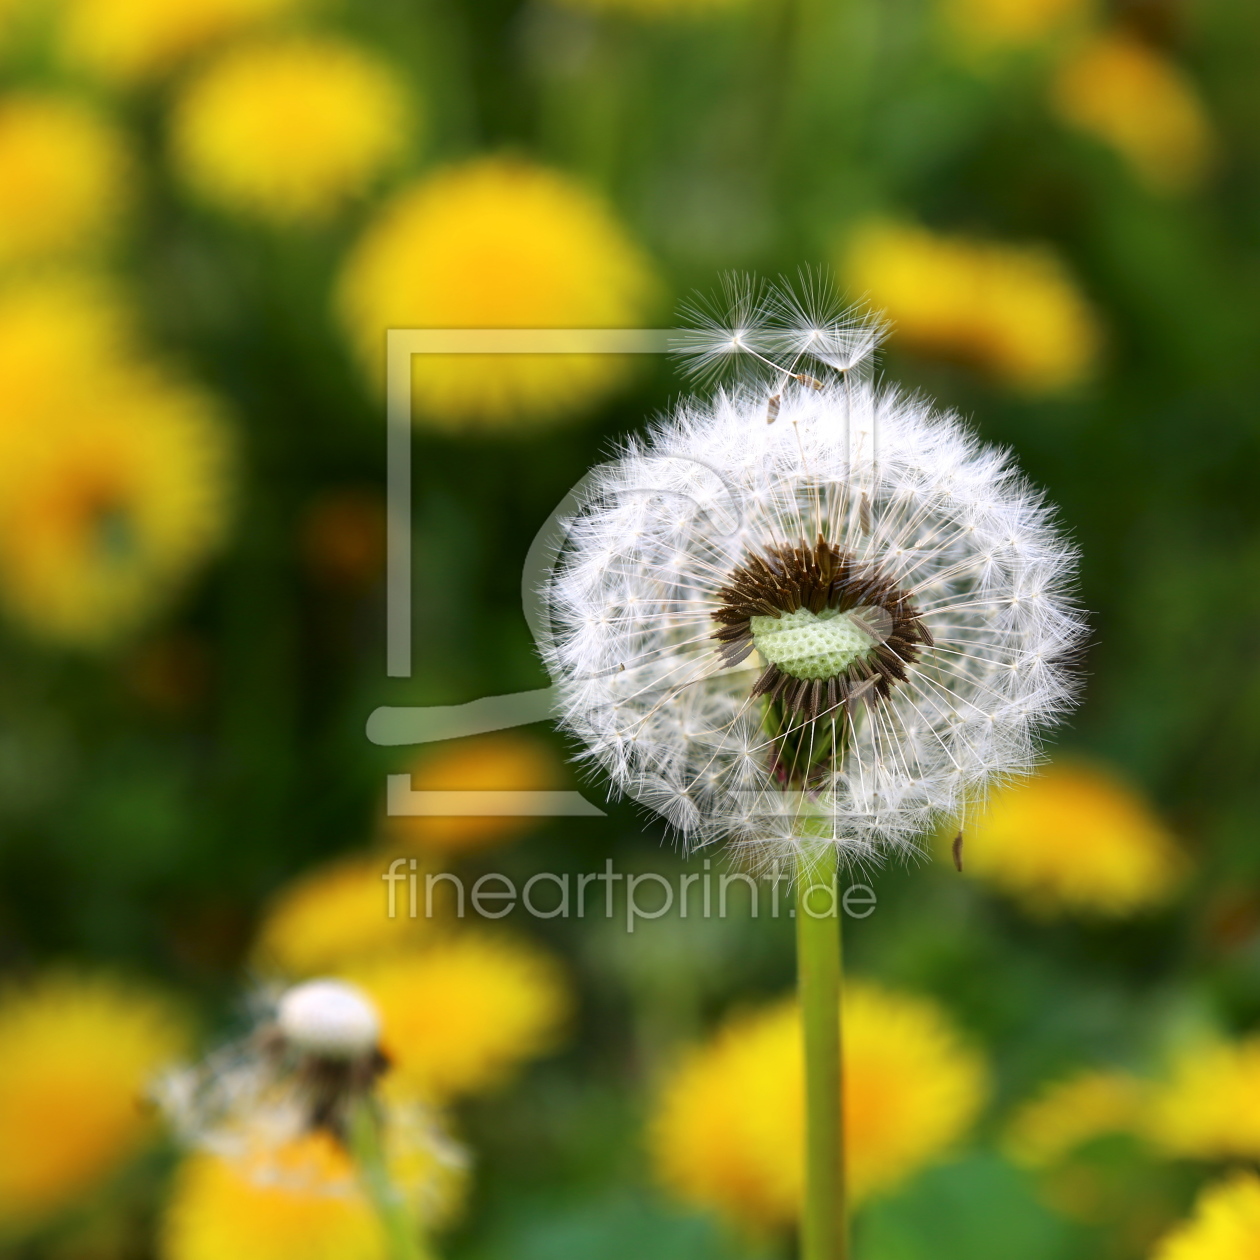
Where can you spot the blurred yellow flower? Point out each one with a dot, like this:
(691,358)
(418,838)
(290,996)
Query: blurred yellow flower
(1130,96)
(289,130)
(1012,311)
(76,1055)
(495,243)
(337,915)
(502,762)
(459,1016)
(1209,1106)
(1074,839)
(985,24)
(307,1206)
(103,513)
(1225,1224)
(656,8)
(728,1131)
(1072,1112)
(64,175)
(58,334)
(128,41)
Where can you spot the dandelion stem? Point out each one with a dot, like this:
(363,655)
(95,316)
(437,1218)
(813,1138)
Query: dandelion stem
(366,1144)
(824,1227)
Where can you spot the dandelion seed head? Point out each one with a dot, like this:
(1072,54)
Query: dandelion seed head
(273,1108)
(871,627)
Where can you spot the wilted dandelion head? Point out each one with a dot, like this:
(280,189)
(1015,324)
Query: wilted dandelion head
(64,174)
(336,916)
(1225,1224)
(104,511)
(505,761)
(1011,311)
(1074,839)
(1070,1113)
(1132,97)
(826,615)
(728,1129)
(495,243)
(76,1055)
(1208,1105)
(130,41)
(273,1111)
(288,131)
(464,1014)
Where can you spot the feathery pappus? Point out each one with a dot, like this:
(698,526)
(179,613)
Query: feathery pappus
(810,606)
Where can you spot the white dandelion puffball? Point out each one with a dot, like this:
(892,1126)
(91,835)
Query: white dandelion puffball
(836,618)
(329,1018)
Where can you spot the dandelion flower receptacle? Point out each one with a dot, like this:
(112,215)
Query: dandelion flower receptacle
(809,616)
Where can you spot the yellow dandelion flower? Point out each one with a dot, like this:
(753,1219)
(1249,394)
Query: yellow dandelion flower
(728,1131)
(76,1055)
(1011,311)
(459,1016)
(104,512)
(289,130)
(58,335)
(129,41)
(1209,1106)
(1071,1113)
(502,762)
(1130,96)
(986,24)
(1074,839)
(1225,1224)
(307,1205)
(340,914)
(64,173)
(495,243)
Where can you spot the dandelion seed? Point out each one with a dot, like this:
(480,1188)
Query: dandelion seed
(835,628)
(766,333)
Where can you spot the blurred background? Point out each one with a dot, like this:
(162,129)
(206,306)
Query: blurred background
(210,212)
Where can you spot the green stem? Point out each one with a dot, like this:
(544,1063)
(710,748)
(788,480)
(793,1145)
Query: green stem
(366,1145)
(824,1224)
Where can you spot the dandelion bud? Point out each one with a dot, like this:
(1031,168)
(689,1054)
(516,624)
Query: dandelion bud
(328,1018)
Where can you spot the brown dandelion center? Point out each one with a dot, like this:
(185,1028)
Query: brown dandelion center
(831,630)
